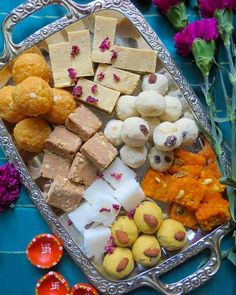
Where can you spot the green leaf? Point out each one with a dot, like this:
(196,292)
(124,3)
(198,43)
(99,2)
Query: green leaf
(225,24)
(228,181)
(221,120)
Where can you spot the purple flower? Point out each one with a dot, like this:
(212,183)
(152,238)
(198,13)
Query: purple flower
(9,185)
(208,7)
(165,5)
(72,73)
(205,29)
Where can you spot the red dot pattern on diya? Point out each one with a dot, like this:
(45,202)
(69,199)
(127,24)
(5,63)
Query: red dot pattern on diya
(52,283)
(83,289)
(44,251)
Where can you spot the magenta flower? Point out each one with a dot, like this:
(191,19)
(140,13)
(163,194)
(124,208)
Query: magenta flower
(208,7)
(205,29)
(174,10)
(9,185)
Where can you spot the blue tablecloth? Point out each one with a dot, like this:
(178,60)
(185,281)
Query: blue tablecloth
(19,225)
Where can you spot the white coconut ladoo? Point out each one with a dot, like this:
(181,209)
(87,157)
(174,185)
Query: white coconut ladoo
(125,107)
(173,109)
(135,132)
(81,217)
(177,93)
(149,103)
(157,82)
(167,136)
(153,122)
(112,132)
(130,195)
(118,173)
(189,130)
(133,157)
(99,185)
(160,160)
(95,241)
(104,208)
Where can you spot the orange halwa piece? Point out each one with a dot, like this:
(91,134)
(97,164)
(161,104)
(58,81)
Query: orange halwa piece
(185,191)
(154,184)
(212,214)
(187,170)
(184,216)
(189,158)
(207,153)
(211,196)
(214,169)
(208,179)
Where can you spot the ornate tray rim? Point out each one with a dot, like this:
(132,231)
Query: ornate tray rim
(150,277)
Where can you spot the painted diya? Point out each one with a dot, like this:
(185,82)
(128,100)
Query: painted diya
(52,283)
(83,289)
(44,251)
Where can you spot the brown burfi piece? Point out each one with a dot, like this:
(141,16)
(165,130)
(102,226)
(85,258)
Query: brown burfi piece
(64,194)
(82,170)
(184,216)
(83,122)
(63,142)
(54,165)
(99,151)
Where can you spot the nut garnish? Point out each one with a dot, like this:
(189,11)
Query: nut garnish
(180,195)
(158,180)
(180,236)
(122,236)
(207,181)
(151,252)
(150,220)
(122,264)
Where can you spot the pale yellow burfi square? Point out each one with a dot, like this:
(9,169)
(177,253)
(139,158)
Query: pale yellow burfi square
(138,60)
(82,62)
(122,81)
(61,62)
(105,98)
(77,26)
(105,27)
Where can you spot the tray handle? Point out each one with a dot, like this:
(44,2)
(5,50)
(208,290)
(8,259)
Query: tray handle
(23,11)
(194,280)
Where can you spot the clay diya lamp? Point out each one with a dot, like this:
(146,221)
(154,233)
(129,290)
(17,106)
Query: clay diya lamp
(83,289)
(52,283)
(44,251)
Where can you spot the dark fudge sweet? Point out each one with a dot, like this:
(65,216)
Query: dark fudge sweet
(83,122)
(82,170)
(64,194)
(63,142)
(99,151)
(54,165)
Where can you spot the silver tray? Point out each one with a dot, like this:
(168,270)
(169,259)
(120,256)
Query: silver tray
(141,277)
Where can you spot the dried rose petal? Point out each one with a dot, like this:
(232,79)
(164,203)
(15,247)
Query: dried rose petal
(87,226)
(74,50)
(104,210)
(130,214)
(72,73)
(144,130)
(114,54)
(91,99)
(105,45)
(110,246)
(116,207)
(69,222)
(117,176)
(77,91)
(101,76)
(116,77)
(152,79)
(99,175)
(94,89)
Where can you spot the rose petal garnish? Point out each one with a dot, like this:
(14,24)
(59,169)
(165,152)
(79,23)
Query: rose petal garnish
(110,246)
(72,73)
(104,210)
(117,176)
(114,54)
(130,214)
(116,77)
(77,91)
(144,130)
(69,222)
(100,76)
(91,99)
(152,79)
(87,226)
(74,50)
(105,45)
(99,175)
(116,207)
(94,89)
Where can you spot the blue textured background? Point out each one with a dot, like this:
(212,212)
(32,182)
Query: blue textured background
(19,225)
